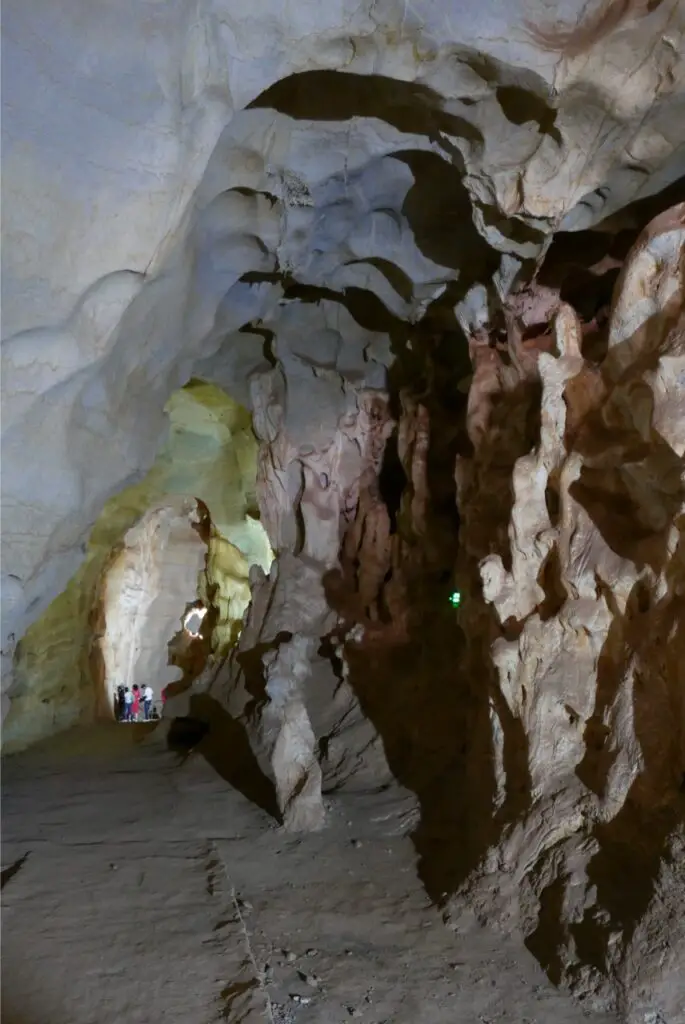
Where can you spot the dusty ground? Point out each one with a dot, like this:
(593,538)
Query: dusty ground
(137,890)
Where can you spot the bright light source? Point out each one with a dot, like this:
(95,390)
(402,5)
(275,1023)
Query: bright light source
(455,598)
(193,621)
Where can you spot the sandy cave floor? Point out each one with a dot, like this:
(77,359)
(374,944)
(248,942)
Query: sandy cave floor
(138,889)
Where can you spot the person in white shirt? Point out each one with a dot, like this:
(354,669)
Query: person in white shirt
(147,701)
(128,705)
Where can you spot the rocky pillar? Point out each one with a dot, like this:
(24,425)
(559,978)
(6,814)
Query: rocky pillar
(309,486)
(577,612)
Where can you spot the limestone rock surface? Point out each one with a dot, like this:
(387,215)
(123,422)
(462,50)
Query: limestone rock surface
(159,197)
(59,677)
(288,273)
(586,639)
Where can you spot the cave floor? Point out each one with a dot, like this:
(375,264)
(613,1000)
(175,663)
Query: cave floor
(140,889)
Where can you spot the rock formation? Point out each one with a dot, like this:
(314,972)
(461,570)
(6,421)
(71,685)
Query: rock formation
(59,675)
(154,574)
(583,572)
(392,295)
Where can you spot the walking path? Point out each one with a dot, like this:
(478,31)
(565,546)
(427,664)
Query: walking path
(138,889)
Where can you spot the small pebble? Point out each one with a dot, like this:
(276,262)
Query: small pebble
(354,1011)
(356,843)
(290,957)
(301,1000)
(312,952)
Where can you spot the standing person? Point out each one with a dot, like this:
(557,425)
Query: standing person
(147,701)
(121,703)
(135,706)
(128,705)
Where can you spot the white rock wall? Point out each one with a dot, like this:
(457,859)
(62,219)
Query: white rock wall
(145,593)
(124,246)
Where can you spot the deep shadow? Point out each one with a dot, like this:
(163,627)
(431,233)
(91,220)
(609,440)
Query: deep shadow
(9,872)
(252,667)
(431,709)
(447,408)
(514,431)
(223,742)
(549,578)
(363,306)
(633,844)
(625,870)
(517,798)
(546,942)
(435,728)
(616,652)
(340,96)
(392,480)
(394,275)
(438,206)
(521,105)
(572,252)
(439,211)
(185,734)
(605,496)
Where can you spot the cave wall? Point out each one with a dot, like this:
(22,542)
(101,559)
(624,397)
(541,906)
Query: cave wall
(573,519)
(144,593)
(276,201)
(210,453)
(546,748)
(165,177)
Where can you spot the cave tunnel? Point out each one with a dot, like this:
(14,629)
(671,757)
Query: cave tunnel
(182,538)
(342,408)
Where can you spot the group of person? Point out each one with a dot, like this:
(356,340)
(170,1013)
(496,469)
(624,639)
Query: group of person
(130,701)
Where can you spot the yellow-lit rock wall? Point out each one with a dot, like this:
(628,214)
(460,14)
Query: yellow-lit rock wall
(210,454)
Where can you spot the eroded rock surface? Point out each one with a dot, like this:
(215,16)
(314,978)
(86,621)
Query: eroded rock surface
(401,243)
(379,151)
(58,675)
(586,640)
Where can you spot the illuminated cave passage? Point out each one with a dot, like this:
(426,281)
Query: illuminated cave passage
(342,405)
(188,532)
(145,590)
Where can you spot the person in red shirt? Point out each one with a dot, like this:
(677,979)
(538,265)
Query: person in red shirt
(135,708)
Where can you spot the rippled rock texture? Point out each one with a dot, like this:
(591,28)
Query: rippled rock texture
(403,285)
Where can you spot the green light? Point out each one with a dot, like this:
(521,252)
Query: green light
(455,599)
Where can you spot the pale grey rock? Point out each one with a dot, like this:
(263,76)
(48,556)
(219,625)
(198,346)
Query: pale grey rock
(262,195)
(123,240)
